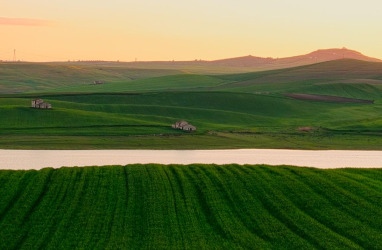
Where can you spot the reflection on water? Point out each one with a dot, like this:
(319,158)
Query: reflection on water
(37,159)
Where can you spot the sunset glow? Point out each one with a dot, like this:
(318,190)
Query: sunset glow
(184,30)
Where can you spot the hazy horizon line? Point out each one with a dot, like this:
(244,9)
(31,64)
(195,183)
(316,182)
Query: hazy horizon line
(180,60)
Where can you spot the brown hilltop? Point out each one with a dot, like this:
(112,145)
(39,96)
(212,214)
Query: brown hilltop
(254,63)
(286,62)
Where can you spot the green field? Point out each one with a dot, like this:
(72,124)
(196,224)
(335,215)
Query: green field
(144,121)
(23,77)
(328,77)
(245,110)
(196,206)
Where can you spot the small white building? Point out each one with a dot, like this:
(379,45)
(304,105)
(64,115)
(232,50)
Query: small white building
(183,125)
(40,104)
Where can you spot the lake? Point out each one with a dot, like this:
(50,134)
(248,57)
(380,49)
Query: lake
(37,159)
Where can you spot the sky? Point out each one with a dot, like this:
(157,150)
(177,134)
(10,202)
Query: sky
(125,30)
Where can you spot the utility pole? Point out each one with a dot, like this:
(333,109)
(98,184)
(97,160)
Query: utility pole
(14,55)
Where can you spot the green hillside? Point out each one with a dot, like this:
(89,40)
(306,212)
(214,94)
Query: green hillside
(326,77)
(196,206)
(230,111)
(164,83)
(24,77)
(347,78)
(249,121)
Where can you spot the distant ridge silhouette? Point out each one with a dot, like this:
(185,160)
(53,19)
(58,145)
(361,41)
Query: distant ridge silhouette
(254,63)
(317,56)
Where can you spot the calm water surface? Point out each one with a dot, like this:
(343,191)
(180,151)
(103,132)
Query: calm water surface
(37,159)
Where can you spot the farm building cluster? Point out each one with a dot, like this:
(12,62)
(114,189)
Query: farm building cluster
(183,125)
(40,104)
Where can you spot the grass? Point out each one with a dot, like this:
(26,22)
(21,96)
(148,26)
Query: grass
(230,111)
(347,78)
(139,139)
(23,77)
(144,121)
(77,77)
(163,83)
(195,206)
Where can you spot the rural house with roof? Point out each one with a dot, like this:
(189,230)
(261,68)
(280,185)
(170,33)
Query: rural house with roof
(40,104)
(183,125)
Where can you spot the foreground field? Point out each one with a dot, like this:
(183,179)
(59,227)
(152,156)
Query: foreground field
(196,206)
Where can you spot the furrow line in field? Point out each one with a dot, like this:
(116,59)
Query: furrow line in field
(32,208)
(346,198)
(18,191)
(282,209)
(193,216)
(234,202)
(62,237)
(175,204)
(281,234)
(117,193)
(200,188)
(257,214)
(58,208)
(327,223)
(370,184)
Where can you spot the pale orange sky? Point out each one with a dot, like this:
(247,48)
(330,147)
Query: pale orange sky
(47,30)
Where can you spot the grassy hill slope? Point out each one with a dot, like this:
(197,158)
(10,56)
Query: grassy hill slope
(249,63)
(229,111)
(344,68)
(196,206)
(207,109)
(223,120)
(326,77)
(347,78)
(163,83)
(24,77)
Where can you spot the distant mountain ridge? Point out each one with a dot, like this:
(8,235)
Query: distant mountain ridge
(114,69)
(253,63)
(313,57)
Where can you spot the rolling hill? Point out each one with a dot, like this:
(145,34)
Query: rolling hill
(247,110)
(255,63)
(143,120)
(161,83)
(287,62)
(345,77)
(22,77)
(26,77)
